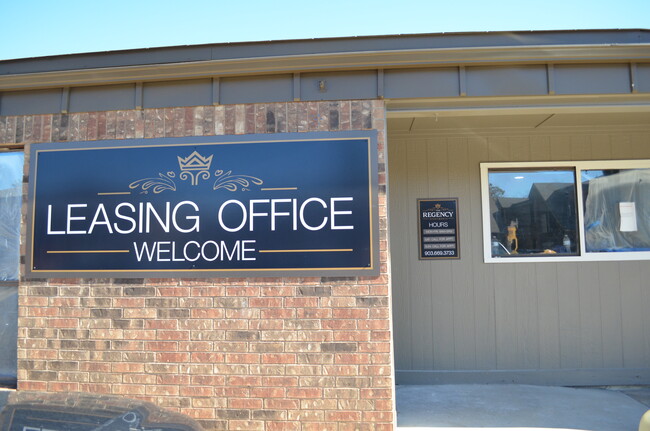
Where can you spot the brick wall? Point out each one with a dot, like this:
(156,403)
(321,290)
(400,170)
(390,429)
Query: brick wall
(246,353)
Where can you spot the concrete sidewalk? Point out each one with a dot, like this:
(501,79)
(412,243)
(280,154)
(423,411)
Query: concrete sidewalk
(518,407)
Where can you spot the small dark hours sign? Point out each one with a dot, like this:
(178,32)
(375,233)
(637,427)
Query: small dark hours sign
(438,228)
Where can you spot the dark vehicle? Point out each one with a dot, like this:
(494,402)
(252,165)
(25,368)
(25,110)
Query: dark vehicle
(37,411)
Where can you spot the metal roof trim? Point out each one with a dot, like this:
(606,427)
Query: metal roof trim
(435,57)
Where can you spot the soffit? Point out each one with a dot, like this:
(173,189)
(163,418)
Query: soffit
(512,123)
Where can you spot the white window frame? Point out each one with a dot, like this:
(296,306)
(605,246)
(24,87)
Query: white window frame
(578,167)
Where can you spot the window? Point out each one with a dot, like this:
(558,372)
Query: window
(566,211)
(11,178)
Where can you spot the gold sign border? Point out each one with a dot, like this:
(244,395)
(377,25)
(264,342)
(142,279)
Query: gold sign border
(237,272)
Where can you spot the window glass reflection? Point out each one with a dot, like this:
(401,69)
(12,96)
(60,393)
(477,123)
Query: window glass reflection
(533,212)
(616,210)
(11,177)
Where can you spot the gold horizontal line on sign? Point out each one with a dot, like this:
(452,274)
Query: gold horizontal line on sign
(311,250)
(279,188)
(113,193)
(87,251)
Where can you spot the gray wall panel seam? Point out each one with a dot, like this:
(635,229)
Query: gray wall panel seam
(216,91)
(65,100)
(139,90)
(462,80)
(296,87)
(550,71)
(633,75)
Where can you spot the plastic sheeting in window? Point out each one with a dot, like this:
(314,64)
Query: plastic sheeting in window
(604,229)
(8,335)
(11,176)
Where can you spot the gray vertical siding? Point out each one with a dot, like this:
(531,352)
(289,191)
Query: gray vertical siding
(529,322)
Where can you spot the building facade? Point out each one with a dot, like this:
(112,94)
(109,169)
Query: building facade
(503,255)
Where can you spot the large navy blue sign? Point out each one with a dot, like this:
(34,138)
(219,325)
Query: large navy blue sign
(287,204)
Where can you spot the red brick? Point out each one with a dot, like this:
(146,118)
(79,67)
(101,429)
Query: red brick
(243,291)
(213,291)
(281,404)
(139,334)
(24,385)
(266,302)
(195,346)
(350,313)
(351,336)
(122,367)
(230,324)
(162,390)
(278,313)
(173,379)
(161,324)
(250,358)
(370,393)
(374,324)
(277,290)
(242,313)
(64,302)
(339,324)
(314,313)
(343,416)
(126,389)
(304,392)
(173,335)
(301,302)
(139,313)
(245,403)
(63,323)
(235,392)
(162,346)
(172,357)
(280,381)
(128,302)
(266,324)
(268,392)
(207,357)
(278,358)
(243,381)
(319,426)
(377,416)
(282,426)
(94,366)
(207,313)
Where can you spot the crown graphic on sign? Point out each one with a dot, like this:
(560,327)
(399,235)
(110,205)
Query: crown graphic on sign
(194,162)
(194,166)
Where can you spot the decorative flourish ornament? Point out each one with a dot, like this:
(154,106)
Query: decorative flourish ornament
(231,182)
(196,167)
(157,185)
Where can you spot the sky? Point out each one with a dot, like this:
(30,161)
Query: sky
(35,28)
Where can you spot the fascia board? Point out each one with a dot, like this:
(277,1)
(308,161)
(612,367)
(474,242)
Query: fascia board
(331,62)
